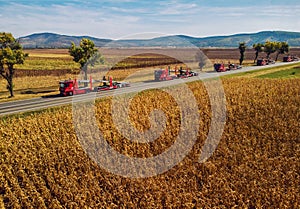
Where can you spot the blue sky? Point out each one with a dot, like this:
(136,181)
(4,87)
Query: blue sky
(117,19)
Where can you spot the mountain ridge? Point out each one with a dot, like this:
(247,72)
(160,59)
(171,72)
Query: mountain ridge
(53,40)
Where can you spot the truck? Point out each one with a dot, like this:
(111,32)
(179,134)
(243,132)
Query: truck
(263,61)
(220,67)
(165,74)
(290,58)
(72,87)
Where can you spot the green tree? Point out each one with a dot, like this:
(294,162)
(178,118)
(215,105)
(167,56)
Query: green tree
(11,53)
(269,48)
(85,54)
(281,48)
(242,48)
(201,59)
(258,48)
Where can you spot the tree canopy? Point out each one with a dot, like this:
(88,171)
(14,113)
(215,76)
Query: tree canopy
(11,53)
(85,54)
(258,48)
(269,48)
(281,48)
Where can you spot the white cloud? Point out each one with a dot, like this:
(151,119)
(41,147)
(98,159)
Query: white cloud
(126,10)
(175,8)
(169,17)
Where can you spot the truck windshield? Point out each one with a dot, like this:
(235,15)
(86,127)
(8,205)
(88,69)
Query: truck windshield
(63,85)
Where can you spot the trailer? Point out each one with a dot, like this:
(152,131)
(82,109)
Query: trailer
(185,73)
(110,85)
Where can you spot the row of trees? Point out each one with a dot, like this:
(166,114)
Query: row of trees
(269,47)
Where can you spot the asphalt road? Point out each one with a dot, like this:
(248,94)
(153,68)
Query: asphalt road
(19,106)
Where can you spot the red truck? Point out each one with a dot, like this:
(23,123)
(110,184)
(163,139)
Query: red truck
(73,87)
(219,67)
(262,62)
(290,58)
(164,75)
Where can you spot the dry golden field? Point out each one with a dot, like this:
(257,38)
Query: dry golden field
(256,164)
(44,68)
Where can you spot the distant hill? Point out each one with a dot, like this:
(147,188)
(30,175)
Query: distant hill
(51,40)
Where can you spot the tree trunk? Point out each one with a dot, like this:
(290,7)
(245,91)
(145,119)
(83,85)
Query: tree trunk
(277,56)
(256,56)
(11,90)
(241,58)
(10,84)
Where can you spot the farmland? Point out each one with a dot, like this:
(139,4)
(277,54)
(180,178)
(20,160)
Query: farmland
(44,164)
(44,68)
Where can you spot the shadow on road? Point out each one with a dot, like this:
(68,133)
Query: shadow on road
(37,92)
(51,96)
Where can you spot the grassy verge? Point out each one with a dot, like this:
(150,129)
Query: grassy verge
(269,70)
(289,73)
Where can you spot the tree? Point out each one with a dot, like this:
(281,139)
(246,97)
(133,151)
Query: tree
(201,59)
(258,48)
(85,54)
(242,48)
(11,53)
(269,48)
(281,48)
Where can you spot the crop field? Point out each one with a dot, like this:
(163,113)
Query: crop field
(256,163)
(44,68)
(56,62)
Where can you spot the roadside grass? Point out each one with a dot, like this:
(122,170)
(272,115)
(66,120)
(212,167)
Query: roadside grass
(29,94)
(268,70)
(31,87)
(289,73)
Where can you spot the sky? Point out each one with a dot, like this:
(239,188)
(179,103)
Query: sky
(121,19)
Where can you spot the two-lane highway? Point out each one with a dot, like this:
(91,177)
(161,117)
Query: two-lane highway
(19,106)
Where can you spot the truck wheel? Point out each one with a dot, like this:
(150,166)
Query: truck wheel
(70,93)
